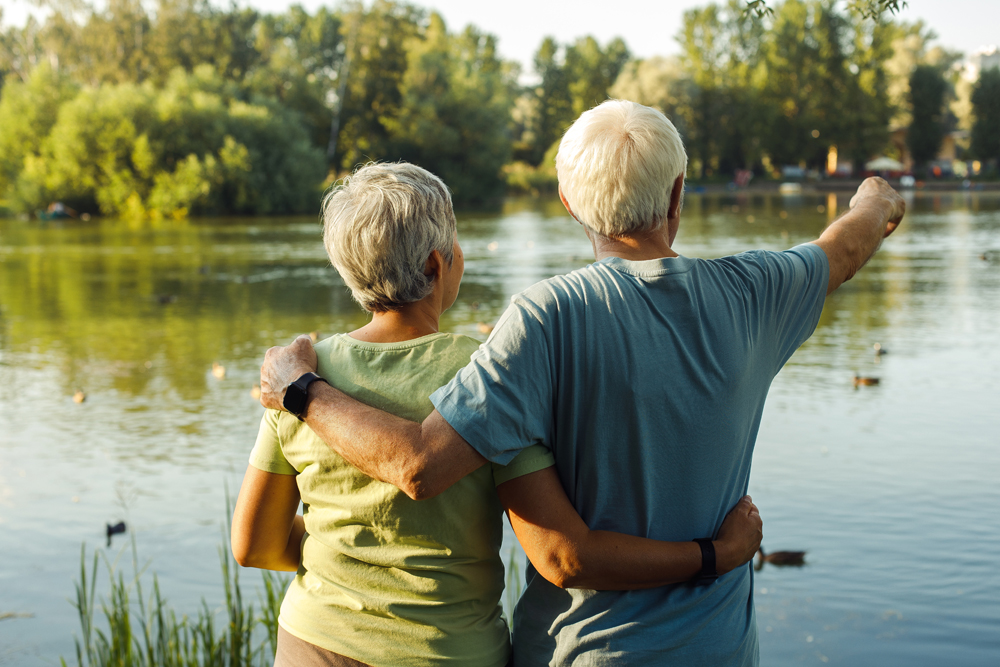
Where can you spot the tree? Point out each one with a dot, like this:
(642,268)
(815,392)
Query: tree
(21,51)
(555,103)
(927,97)
(137,151)
(782,90)
(379,38)
(574,78)
(724,112)
(986,112)
(591,71)
(28,111)
(456,102)
(871,9)
(301,60)
(867,108)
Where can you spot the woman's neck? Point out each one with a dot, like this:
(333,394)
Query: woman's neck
(411,321)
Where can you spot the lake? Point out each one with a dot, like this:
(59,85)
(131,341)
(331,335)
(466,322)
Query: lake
(892,489)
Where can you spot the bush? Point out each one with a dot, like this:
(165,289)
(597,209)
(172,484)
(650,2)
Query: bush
(27,113)
(524,178)
(137,152)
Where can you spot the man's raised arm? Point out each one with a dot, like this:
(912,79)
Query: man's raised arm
(422,460)
(852,239)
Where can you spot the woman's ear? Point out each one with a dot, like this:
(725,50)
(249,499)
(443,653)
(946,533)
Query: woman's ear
(435,265)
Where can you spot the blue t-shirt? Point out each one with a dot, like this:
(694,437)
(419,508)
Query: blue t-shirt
(647,381)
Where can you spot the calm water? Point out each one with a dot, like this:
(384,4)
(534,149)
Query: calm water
(892,489)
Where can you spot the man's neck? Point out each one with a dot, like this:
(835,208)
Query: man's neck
(635,247)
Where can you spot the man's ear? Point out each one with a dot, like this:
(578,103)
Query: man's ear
(676,195)
(565,203)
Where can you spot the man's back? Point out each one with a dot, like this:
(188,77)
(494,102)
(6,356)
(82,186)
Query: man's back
(647,381)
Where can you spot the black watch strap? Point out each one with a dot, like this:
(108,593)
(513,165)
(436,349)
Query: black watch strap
(297,394)
(709,573)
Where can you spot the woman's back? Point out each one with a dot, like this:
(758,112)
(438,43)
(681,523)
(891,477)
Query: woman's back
(385,579)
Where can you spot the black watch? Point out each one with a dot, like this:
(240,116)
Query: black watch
(709,573)
(297,394)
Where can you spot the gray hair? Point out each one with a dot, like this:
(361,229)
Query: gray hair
(380,226)
(617,165)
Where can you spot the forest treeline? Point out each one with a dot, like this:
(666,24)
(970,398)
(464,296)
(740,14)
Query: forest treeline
(187,107)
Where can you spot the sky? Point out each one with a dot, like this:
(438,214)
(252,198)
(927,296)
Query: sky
(647,26)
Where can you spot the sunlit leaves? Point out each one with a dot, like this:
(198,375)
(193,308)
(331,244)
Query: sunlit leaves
(139,151)
(869,9)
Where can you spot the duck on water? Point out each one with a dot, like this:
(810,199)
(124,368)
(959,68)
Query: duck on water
(780,558)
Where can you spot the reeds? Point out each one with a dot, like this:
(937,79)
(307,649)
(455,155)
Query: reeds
(142,631)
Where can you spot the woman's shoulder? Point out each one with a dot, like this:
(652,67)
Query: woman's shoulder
(463,342)
(454,349)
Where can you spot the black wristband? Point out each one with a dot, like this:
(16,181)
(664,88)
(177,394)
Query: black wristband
(709,573)
(296,399)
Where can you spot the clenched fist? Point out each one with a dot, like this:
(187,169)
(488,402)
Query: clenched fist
(875,191)
(739,537)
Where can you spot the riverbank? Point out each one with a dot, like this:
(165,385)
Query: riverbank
(846,185)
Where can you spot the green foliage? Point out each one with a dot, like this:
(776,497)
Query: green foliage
(721,109)
(27,113)
(870,9)
(873,9)
(927,96)
(758,8)
(986,111)
(376,62)
(574,78)
(142,631)
(191,108)
(748,92)
(160,110)
(454,109)
(139,151)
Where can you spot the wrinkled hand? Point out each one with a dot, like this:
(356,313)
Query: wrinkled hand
(283,366)
(740,536)
(876,191)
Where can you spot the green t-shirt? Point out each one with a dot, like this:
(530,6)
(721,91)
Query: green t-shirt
(385,579)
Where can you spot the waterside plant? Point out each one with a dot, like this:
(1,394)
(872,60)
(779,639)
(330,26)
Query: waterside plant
(143,631)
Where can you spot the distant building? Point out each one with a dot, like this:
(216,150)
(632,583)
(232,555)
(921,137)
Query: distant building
(987,57)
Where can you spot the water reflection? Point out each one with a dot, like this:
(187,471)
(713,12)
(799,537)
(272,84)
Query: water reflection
(136,317)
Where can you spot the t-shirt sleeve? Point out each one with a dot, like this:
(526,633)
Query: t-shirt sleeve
(791,296)
(501,403)
(532,459)
(266,454)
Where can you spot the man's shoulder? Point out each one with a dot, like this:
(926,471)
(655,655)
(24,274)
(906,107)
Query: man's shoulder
(808,252)
(764,263)
(557,290)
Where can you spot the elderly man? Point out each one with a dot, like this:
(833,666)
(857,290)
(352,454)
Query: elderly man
(645,373)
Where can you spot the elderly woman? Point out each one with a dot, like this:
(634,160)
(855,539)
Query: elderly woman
(383,579)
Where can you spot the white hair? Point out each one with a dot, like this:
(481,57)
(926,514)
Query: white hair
(380,226)
(617,165)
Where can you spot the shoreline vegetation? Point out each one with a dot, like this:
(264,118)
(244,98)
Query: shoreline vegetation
(142,630)
(138,629)
(184,108)
(523,181)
